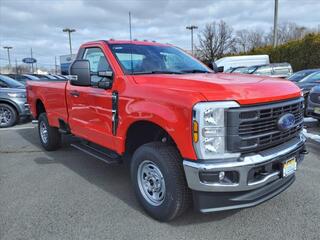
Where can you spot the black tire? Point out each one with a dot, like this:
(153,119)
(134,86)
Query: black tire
(53,140)
(177,197)
(11,117)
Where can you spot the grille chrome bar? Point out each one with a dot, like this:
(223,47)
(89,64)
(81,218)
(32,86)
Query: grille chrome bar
(256,128)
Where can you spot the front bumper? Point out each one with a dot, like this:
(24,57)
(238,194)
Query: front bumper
(22,106)
(25,110)
(246,189)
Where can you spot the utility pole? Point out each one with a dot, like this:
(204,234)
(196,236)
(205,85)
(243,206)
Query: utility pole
(130,26)
(8,51)
(69,31)
(191,28)
(31,54)
(275,24)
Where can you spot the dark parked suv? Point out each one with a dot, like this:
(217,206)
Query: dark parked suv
(13,102)
(313,106)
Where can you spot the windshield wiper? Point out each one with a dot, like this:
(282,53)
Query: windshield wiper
(195,71)
(157,72)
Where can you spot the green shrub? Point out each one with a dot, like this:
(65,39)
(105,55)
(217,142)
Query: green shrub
(301,54)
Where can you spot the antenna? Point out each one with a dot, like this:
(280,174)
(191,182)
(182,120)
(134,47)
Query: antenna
(130,27)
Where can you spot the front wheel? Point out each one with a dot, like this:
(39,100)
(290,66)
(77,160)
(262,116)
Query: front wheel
(50,137)
(159,182)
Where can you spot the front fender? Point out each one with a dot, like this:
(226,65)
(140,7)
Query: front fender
(175,120)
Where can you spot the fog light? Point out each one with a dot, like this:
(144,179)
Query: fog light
(221,176)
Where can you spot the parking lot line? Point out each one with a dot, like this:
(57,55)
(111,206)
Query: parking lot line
(15,128)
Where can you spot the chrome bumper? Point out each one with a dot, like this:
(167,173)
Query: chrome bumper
(242,166)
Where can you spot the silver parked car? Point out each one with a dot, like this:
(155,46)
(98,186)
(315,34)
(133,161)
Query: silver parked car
(281,70)
(13,102)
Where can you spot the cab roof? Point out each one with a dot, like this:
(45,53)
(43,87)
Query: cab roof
(136,42)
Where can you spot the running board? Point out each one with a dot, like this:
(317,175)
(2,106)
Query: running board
(106,156)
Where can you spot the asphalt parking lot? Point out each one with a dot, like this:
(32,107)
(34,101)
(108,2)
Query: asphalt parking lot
(69,195)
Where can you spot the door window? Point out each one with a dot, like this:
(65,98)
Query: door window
(3,84)
(98,63)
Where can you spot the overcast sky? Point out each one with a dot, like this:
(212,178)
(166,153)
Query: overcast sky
(39,23)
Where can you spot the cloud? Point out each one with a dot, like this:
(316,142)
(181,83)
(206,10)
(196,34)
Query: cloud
(38,24)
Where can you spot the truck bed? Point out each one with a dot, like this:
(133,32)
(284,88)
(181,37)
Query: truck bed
(53,95)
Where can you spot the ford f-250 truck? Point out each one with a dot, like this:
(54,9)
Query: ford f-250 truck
(191,135)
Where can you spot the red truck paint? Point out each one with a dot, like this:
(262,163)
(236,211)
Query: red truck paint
(166,100)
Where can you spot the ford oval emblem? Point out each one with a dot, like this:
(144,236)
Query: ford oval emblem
(286,122)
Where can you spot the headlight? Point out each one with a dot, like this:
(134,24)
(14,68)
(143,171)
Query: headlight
(17,95)
(209,129)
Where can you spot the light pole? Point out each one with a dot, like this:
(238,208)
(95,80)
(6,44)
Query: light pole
(8,50)
(275,24)
(191,28)
(31,54)
(69,31)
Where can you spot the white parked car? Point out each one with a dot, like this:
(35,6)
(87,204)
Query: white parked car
(242,61)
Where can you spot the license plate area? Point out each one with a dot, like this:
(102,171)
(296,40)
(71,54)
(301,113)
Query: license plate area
(317,110)
(289,167)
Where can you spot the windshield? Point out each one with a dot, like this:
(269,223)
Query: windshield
(250,70)
(240,70)
(11,82)
(148,59)
(312,77)
(296,77)
(31,77)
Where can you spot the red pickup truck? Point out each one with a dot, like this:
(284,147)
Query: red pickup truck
(192,135)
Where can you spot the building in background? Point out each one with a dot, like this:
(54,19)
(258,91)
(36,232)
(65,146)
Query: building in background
(65,61)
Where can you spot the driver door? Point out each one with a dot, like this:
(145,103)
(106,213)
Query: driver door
(90,108)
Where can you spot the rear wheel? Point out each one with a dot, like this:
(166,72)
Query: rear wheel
(159,182)
(8,115)
(50,137)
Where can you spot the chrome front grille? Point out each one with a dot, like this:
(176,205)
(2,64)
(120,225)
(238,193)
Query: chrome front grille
(256,127)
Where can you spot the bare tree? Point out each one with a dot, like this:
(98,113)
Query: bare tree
(249,39)
(287,31)
(215,41)
(242,40)
(290,31)
(256,38)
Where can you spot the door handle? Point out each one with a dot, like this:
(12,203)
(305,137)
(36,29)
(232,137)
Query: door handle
(74,93)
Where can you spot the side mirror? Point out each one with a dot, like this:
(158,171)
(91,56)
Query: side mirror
(215,68)
(80,70)
(105,84)
(106,74)
(220,69)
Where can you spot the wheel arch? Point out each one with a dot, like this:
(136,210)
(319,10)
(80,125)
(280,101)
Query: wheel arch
(40,108)
(11,104)
(145,131)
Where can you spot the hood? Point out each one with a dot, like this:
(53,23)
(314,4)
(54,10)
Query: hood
(245,89)
(12,90)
